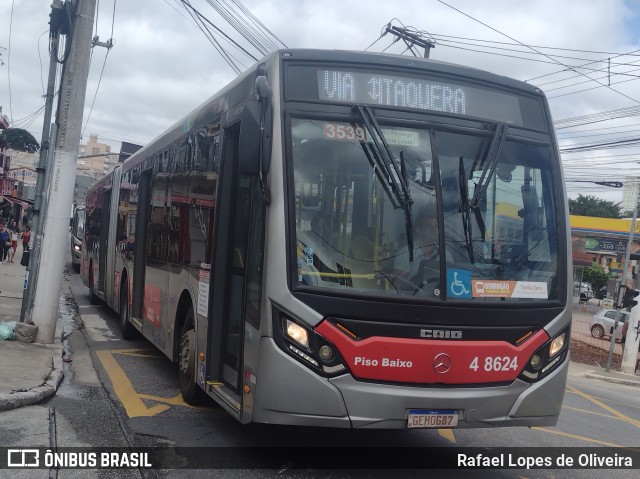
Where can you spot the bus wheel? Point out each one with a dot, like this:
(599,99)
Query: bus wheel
(128,330)
(93,299)
(191,392)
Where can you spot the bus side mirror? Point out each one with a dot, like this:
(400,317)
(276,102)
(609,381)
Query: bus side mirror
(256,121)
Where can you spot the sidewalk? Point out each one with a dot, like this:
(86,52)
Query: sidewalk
(29,372)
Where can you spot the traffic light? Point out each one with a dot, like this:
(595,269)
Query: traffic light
(628,300)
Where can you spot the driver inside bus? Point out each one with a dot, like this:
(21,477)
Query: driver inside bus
(425,241)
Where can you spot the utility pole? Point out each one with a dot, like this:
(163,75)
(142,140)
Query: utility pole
(632,342)
(630,353)
(63,172)
(623,283)
(57,26)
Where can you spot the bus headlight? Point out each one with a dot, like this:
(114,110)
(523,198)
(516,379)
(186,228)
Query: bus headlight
(546,358)
(297,333)
(305,345)
(556,346)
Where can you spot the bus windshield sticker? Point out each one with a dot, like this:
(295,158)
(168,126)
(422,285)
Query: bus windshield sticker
(459,283)
(509,289)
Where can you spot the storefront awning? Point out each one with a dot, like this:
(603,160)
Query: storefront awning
(16,201)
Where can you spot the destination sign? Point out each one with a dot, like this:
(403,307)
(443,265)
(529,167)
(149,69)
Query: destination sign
(417,91)
(409,92)
(391,90)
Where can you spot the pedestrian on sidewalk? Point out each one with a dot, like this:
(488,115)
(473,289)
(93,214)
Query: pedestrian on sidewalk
(14,241)
(5,241)
(26,238)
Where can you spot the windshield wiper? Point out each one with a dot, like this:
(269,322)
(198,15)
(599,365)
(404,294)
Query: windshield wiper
(393,180)
(488,171)
(465,209)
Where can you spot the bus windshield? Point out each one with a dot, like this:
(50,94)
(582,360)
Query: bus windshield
(482,213)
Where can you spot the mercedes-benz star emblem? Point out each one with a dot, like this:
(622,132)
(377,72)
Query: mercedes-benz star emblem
(441,363)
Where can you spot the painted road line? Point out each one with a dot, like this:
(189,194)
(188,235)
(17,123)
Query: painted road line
(123,388)
(174,401)
(575,436)
(606,407)
(608,416)
(142,355)
(447,434)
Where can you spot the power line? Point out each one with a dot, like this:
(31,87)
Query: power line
(535,46)
(108,45)
(596,117)
(544,54)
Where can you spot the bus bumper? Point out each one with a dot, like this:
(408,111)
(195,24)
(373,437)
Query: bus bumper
(385,407)
(287,392)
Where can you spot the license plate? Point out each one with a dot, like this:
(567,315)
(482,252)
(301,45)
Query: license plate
(432,418)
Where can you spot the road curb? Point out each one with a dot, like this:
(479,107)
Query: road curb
(627,382)
(17,399)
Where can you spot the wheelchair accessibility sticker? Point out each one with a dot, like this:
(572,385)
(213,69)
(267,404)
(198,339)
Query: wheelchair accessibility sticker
(459,283)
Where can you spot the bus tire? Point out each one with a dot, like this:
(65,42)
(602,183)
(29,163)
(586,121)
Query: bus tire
(93,299)
(191,392)
(128,330)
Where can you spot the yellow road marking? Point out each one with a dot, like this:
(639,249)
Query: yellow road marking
(609,416)
(174,401)
(604,406)
(632,406)
(575,436)
(129,350)
(447,434)
(124,389)
(140,355)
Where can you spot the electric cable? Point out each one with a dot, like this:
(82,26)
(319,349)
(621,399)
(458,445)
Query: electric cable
(541,53)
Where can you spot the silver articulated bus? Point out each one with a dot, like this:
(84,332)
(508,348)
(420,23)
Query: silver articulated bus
(348,239)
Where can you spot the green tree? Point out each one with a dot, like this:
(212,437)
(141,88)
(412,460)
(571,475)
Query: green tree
(596,275)
(593,206)
(18,139)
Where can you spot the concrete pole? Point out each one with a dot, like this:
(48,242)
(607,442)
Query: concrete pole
(45,147)
(63,173)
(630,354)
(627,256)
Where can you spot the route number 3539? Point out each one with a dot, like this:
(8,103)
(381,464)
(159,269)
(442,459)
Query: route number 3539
(496,363)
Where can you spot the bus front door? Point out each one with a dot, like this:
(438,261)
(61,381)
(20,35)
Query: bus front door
(237,276)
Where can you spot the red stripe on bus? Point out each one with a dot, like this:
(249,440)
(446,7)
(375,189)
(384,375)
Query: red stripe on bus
(432,361)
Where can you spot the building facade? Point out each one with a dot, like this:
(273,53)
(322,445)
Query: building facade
(95,159)
(630,194)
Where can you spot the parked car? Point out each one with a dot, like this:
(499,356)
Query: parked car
(603,321)
(601,293)
(586,291)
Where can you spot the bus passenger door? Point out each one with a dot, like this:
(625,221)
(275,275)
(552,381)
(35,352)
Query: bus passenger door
(142,218)
(103,250)
(237,274)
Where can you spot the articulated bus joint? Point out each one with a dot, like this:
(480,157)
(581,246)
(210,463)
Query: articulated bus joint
(306,345)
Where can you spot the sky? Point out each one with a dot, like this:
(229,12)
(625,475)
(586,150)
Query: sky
(584,54)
